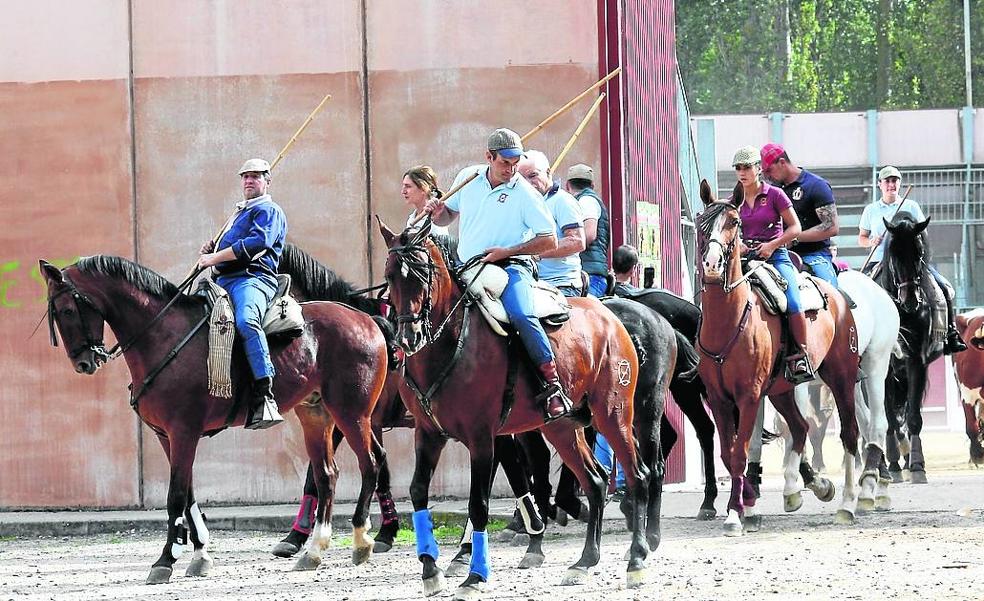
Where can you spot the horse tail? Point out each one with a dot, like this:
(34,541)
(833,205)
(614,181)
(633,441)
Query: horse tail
(687,359)
(768,436)
(394,354)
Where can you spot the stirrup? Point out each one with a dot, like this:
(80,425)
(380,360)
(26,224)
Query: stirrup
(264,416)
(798,369)
(554,391)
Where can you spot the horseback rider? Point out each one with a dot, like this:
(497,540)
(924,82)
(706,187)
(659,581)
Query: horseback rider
(768,225)
(872,233)
(594,258)
(505,221)
(245,263)
(560,267)
(813,202)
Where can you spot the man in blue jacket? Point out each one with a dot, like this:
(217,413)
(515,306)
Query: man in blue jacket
(245,262)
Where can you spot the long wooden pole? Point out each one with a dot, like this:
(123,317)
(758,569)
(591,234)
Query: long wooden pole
(871,253)
(577,132)
(537,130)
(273,165)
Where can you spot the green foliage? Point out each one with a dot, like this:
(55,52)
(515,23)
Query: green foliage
(446,532)
(827,55)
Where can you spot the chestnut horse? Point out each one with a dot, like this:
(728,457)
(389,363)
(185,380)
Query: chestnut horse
(968,369)
(742,343)
(341,355)
(454,355)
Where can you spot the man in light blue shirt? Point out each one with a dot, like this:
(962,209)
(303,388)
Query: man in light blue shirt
(505,221)
(872,233)
(560,267)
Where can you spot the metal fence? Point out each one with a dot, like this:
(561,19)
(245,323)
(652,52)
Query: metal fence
(689,181)
(953,196)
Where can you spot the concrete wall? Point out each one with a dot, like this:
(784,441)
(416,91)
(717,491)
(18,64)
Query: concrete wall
(144,167)
(825,140)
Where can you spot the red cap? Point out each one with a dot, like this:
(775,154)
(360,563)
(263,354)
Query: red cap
(770,154)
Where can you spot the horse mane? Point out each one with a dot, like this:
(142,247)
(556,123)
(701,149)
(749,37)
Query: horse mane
(318,282)
(447,243)
(705,220)
(140,277)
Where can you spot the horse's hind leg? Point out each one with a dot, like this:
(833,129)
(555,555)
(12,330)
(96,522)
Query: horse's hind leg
(510,456)
(574,452)
(389,518)
(180,451)
(201,562)
(840,372)
(359,435)
(322,457)
(795,465)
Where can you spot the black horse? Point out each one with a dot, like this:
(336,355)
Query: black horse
(904,273)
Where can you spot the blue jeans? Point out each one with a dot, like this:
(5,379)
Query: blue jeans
(250,298)
(821,264)
(517,299)
(605,456)
(597,285)
(780,260)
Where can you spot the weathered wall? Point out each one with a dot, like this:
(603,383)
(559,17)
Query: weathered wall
(144,166)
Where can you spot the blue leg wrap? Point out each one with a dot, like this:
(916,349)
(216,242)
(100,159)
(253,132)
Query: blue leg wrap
(480,555)
(423,527)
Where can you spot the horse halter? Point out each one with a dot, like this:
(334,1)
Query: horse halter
(92,343)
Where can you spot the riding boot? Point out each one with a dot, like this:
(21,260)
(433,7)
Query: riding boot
(557,403)
(800,369)
(953,343)
(262,407)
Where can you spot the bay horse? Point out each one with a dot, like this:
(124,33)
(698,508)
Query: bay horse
(312,280)
(968,370)
(742,344)
(462,365)
(904,274)
(340,355)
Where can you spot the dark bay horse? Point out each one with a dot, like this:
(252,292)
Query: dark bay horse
(312,280)
(455,357)
(742,343)
(904,274)
(341,356)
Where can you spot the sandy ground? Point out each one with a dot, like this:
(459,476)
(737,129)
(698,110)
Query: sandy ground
(930,546)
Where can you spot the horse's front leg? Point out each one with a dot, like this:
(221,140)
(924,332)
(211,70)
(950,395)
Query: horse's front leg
(428,448)
(181,455)
(201,562)
(480,567)
(917,389)
(724,416)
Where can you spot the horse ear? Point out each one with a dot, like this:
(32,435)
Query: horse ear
(388,235)
(738,195)
(52,275)
(705,192)
(920,227)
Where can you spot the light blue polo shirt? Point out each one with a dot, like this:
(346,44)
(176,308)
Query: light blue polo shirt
(563,271)
(504,216)
(871,220)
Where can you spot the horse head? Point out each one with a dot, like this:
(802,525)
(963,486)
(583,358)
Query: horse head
(79,321)
(411,266)
(718,232)
(905,261)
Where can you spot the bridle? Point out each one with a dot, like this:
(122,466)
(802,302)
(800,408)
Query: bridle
(705,225)
(93,343)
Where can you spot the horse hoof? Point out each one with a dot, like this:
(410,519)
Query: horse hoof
(574,576)
(561,518)
(733,530)
(458,566)
(199,567)
(918,477)
(825,490)
(360,555)
(896,476)
(434,584)
(159,575)
(866,505)
(531,560)
(307,562)
(883,503)
(520,540)
(792,502)
(843,517)
(469,592)
(381,546)
(706,515)
(505,536)
(284,549)
(635,578)
(753,523)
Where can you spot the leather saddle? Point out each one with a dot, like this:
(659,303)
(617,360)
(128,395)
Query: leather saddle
(485,282)
(283,316)
(770,287)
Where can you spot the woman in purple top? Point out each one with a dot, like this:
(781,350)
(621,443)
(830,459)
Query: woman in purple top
(768,224)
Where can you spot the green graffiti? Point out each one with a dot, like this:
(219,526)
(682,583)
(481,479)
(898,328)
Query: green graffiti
(7,282)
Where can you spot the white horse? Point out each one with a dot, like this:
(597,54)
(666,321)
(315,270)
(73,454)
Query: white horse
(877,320)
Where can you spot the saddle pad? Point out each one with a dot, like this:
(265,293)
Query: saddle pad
(284,316)
(548,302)
(770,286)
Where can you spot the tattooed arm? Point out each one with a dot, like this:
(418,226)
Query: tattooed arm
(827,228)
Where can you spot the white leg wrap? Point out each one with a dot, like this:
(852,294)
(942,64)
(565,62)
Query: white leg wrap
(791,479)
(177,549)
(524,510)
(198,524)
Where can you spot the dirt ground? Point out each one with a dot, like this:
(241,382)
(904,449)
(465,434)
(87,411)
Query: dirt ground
(930,546)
